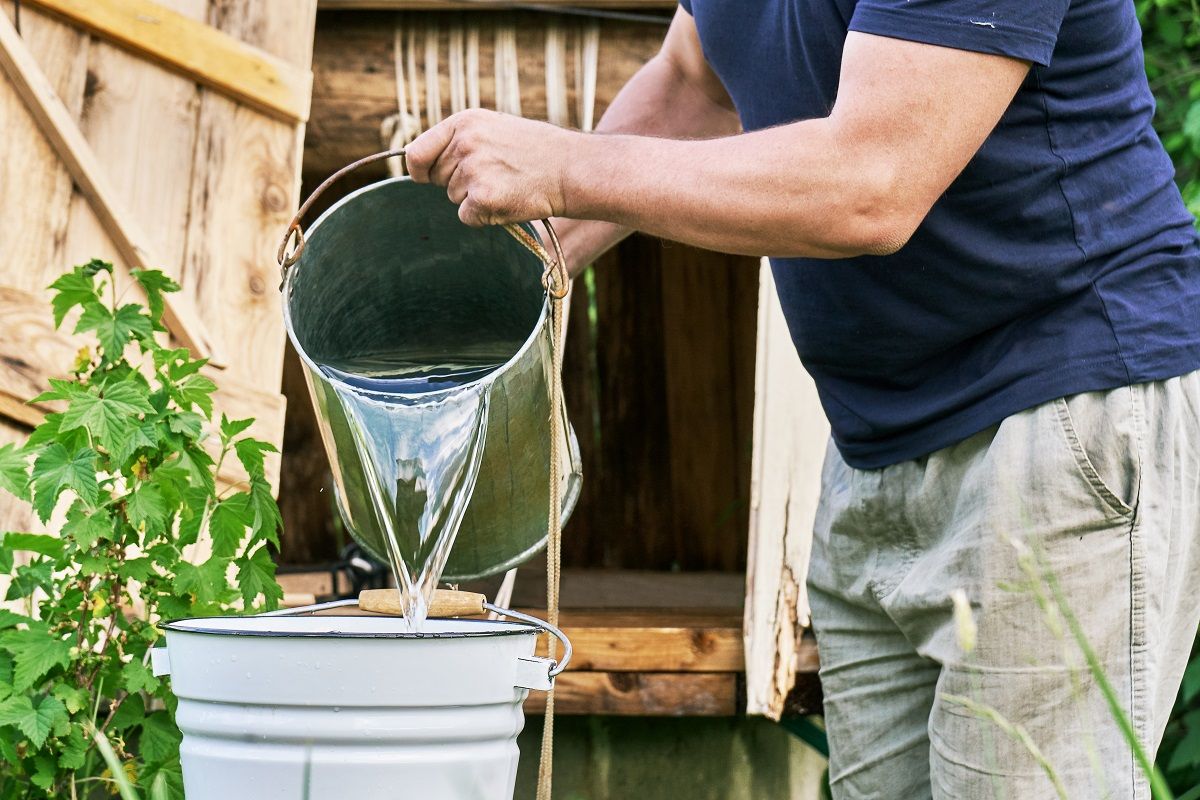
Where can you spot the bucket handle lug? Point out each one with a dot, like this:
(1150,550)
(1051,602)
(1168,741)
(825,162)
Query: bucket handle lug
(160,661)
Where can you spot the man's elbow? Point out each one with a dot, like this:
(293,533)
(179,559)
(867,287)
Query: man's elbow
(879,218)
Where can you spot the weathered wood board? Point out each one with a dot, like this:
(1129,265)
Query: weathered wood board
(205,172)
(790,437)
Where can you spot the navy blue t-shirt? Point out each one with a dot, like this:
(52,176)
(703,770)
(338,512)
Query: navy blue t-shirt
(1062,260)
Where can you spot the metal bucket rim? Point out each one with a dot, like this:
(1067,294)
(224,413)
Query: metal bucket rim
(491,377)
(495,628)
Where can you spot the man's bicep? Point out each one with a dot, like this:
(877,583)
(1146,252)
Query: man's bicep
(682,50)
(920,111)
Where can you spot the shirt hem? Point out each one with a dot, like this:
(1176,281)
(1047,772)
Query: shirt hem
(1022,395)
(977,35)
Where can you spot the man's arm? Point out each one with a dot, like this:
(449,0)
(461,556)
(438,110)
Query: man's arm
(675,95)
(908,119)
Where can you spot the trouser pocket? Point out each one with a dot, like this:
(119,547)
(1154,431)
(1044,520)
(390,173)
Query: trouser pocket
(1101,429)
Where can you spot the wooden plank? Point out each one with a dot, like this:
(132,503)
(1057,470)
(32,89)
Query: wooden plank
(58,126)
(790,437)
(34,229)
(245,189)
(31,351)
(662,640)
(705,340)
(488,5)
(196,50)
(641,694)
(643,589)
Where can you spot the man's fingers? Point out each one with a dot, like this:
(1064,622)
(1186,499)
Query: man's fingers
(471,213)
(457,184)
(422,154)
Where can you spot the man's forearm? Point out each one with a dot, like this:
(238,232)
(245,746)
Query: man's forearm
(658,101)
(796,190)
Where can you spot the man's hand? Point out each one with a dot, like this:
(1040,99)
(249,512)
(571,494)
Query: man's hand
(498,168)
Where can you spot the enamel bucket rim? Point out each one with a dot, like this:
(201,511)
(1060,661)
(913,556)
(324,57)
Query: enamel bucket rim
(496,628)
(491,377)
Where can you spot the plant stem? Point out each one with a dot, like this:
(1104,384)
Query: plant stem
(1017,732)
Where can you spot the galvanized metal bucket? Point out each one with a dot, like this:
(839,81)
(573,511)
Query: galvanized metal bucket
(392,263)
(339,707)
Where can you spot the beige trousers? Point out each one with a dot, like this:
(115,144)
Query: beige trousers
(1100,491)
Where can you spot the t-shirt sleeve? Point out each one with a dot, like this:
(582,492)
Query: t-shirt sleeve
(686,5)
(1025,29)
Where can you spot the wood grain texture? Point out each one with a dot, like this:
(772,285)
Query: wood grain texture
(57,125)
(354,88)
(641,694)
(195,50)
(660,640)
(790,437)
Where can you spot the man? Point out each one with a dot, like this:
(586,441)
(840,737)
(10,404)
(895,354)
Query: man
(991,276)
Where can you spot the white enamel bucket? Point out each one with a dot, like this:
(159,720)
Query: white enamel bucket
(352,707)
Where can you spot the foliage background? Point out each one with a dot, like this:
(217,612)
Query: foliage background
(1171,35)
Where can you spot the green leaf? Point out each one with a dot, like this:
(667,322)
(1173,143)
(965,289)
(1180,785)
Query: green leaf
(36,717)
(166,782)
(74,698)
(1191,681)
(256,576)
(137,677)
(71,290)
(137,569)
(205,582)
(195,391)
(56,469)
(146,509)
(228,522)
(142,434)
(115,331)
(11,619)
(199,466)
(154,283)
(250,453)
(35,652)
(44,772)
(107,414)
(1187,751)
(14,471)
(74,748)
(87,529)
(28,578)
(230,428)
(267,519)
(6,674)
(131,712)
(186,423)
(160,738)
(39,543)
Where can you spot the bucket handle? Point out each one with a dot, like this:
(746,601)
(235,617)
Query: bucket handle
(556,669)
(555,278)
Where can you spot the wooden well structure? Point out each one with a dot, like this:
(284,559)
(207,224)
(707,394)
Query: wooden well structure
(700,433)
(175,133)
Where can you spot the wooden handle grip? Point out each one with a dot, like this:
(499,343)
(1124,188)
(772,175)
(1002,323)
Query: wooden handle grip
(446,603)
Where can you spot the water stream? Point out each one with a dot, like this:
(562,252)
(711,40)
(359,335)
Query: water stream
(419,423)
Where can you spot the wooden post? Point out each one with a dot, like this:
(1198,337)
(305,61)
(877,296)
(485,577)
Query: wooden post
(790,436)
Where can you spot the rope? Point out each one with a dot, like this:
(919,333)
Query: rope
(545,785)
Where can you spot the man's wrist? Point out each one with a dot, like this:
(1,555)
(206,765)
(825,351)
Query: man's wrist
(587,175)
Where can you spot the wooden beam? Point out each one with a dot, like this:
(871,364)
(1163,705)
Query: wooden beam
(659,640)
(489,5)
(641,694)
(196,50)
(68,141)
